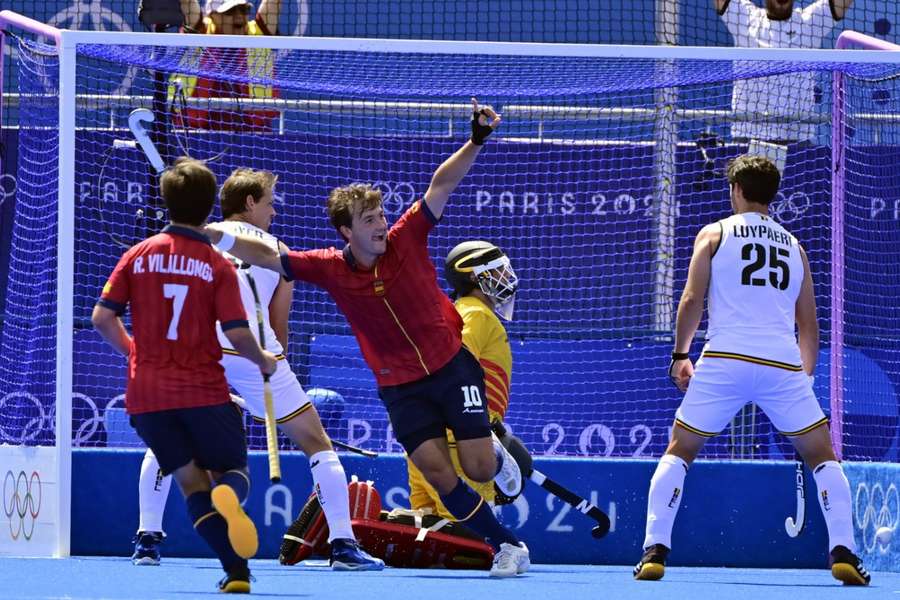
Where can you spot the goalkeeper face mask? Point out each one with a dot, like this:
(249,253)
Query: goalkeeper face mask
(497,280)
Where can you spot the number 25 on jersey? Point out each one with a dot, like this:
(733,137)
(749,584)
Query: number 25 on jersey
(778,271)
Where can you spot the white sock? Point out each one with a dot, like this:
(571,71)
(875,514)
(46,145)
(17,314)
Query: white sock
(834,500)
(666,487)
(153,490)
(330,482)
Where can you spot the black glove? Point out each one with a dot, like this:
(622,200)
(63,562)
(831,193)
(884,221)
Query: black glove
(480,132)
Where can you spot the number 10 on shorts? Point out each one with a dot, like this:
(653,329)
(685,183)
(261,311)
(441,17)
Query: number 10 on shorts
(472,395)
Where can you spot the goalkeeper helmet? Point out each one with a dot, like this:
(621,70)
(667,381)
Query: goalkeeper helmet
(483,265)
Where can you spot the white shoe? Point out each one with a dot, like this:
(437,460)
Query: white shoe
(509,479)
(510,560)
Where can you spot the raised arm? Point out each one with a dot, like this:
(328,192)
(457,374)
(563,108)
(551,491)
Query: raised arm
(807,324)
(193,15)
(452,170)
(253,251)
(270,11)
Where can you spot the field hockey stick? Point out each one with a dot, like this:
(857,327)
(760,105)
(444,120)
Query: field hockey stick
(354,449)
(575,501)
(271,431)
(794,526)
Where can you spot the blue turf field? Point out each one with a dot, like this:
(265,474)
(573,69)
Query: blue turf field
(115,578)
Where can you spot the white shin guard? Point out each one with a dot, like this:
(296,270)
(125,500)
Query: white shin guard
(663,501)
(836,505)
(331,487)
(153,490)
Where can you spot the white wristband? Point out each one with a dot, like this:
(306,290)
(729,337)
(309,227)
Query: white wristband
(226,242)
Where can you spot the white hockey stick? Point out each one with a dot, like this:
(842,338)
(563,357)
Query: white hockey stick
(795,526)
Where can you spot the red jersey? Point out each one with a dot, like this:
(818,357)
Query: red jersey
(178,286)
(406,326)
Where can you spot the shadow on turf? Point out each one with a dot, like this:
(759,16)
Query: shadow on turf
(218,594)
(824,584)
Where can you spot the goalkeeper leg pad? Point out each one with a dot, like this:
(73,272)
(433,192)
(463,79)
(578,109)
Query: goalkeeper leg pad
(407,546)
(307,535)
(365,501)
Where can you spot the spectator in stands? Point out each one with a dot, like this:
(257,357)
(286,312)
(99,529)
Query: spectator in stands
(778,25)
(229,17)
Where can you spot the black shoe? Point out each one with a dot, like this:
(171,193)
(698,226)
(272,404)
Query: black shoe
(237,581)
(653,563)
(146,547)
(847,567)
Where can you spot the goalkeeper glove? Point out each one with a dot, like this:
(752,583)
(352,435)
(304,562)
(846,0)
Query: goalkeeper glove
(480,132)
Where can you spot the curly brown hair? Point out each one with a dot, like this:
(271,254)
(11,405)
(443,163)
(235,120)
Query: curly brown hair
(353,199)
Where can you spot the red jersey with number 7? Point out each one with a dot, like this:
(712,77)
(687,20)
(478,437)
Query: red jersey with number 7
(178,286)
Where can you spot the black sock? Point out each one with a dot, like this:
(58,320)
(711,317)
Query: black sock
(212,528)
(238,481)
(470,508)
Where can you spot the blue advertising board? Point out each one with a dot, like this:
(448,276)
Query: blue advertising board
(732,513)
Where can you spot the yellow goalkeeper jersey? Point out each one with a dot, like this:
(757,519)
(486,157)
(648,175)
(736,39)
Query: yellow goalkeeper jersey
(484,335)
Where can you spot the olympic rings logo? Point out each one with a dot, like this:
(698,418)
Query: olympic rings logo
(34,419)
(787,209)
(7,187)
(22,497)
(396,197)
(875,508)
(23,404)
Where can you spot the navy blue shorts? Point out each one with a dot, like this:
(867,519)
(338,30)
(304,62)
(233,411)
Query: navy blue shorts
(450,398)
(211,436)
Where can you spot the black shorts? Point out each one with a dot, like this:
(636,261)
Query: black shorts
(450,398)
(211,436)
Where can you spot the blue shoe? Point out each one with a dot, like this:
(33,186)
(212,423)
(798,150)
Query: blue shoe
(146,547)
(346,555)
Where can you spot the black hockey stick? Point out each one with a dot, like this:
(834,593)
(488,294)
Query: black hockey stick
(794,526)
(354,449)
(574,500)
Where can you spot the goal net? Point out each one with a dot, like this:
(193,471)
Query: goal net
(608,163)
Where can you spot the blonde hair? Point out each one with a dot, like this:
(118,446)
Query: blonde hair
(242,183)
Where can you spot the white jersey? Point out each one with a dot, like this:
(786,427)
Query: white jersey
(266,282)
(791,93)
(755,280)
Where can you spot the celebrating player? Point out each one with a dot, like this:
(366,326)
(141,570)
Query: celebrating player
(248,208)
(410,335)
(178,286)
(757,278)
(483,283)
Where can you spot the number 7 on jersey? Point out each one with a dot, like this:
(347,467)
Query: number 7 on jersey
(178,293)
